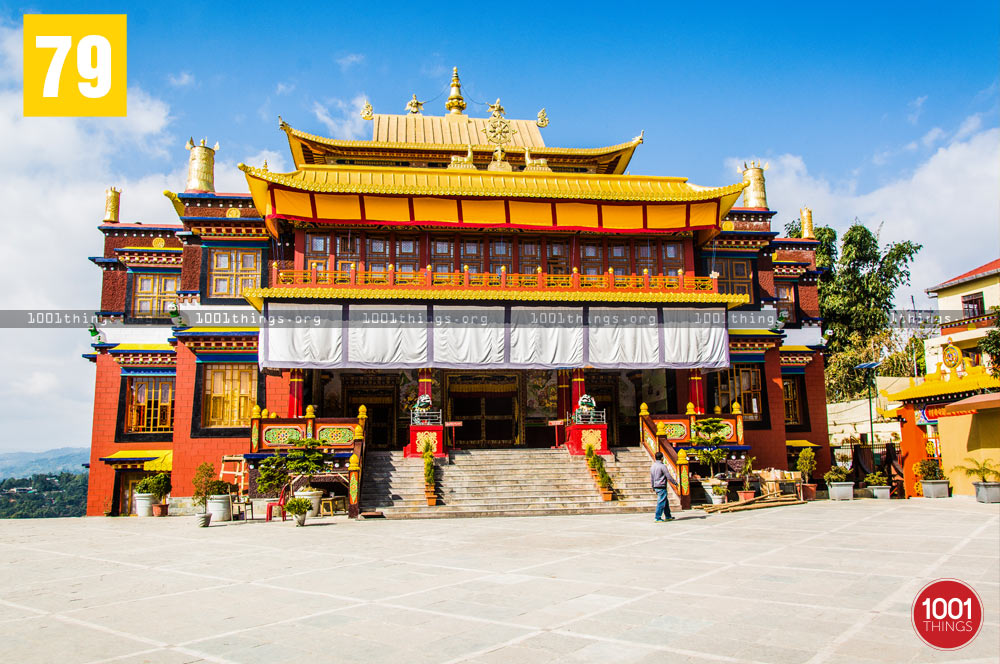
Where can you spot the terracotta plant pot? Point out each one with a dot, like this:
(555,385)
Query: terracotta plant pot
(746,495)
(161,509)
(431,500)
(807,491)
(606,494)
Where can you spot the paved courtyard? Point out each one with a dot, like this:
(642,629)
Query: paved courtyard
(824,582)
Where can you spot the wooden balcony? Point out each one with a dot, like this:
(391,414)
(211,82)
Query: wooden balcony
(475,283)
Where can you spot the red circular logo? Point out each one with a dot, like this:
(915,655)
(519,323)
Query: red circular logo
(947,614)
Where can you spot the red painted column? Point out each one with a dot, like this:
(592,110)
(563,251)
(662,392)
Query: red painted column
(295,393)
(577,388)
(562,393)
(696,390)
(424,382)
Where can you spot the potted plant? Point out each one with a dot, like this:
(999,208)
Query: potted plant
(718,493)
(604,481)
(986,491)
(879,485)
(204,475)
(746,473)
(806,464)
(159,486)
(836,481)
(306,458)
(933,483)
(143,498)
(299,508)
(429,491)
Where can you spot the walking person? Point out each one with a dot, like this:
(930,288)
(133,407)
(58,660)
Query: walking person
(658,479)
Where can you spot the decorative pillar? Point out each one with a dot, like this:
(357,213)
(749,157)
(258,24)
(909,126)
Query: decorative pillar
(577,389)
(424,382)
(353,484)
(696,390)
(295,393)
(255,416)
(684,480)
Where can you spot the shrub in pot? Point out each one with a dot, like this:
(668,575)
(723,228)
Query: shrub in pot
(158,486)
(430,495)
(204,475)
(718,493)
(306,458)
(838,484)
(299,508)
(879,484)
(143,498)
(746,473)
(933,483)
(806,464)
(986,491)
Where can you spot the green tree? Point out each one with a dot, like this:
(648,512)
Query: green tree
(990,344)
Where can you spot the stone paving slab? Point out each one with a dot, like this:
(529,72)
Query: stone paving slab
(823,582)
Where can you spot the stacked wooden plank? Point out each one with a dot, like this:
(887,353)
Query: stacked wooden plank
(763,501)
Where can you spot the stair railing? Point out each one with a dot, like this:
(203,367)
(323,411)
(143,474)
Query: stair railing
(654,440)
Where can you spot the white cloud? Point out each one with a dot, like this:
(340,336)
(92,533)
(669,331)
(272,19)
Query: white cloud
(970,126)
(948,203)
(349,60)
(916,108)
(933,136)
(180,80)
(345,121)
(284,88)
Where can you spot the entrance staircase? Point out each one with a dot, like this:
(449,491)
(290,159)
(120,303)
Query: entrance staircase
(523,482)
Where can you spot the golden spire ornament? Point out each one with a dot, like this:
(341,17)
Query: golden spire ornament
(543,119)
(456,102)
(367,112)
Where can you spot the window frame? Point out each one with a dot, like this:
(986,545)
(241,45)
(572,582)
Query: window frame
(973,300)
(236,273)
(198,428)
(122,435)
(763,420)
(155,297)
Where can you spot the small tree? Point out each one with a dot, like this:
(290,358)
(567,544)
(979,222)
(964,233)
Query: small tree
(984,469)
(709,433)
(806,464)
(158,485)
(746,472)
(272,474)
(204,476)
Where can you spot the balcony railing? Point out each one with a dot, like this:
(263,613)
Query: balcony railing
(424,279)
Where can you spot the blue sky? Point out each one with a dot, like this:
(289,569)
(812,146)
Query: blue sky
(863,110)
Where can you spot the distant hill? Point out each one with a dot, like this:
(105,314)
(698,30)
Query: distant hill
(26,464)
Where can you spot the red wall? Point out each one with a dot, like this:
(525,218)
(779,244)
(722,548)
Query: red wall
(768,445)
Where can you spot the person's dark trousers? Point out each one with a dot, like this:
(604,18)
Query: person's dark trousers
(662,504)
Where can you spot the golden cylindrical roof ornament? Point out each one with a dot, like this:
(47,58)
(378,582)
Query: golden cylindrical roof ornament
(754,196)
(201,167)
(112,202)
(456,102)
(806,215)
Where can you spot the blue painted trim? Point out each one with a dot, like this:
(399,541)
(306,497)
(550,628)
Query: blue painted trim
(235,358)
(738,358)
(793,371)
(149,371)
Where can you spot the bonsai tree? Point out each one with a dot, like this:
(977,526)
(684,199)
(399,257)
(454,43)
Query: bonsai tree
(983,470)
(709,433)
(806,464)
(836,474)
(928,469)
(298,506)
(307,459)
(876,479)
(158,485)
(712,457)
(746,472)
(272,475)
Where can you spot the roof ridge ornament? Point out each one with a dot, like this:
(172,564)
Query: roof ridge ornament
(367,112)
(413,106)
(755,194)
(499,133)
(456,102)
(543,119)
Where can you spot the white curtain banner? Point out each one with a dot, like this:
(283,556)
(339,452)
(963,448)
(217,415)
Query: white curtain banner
(695,338)
(468,337)
(546,337)
(388,335)
(301,336)
(623,338)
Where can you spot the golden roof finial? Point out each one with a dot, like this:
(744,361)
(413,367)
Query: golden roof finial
(201,166)
(367,112)
(754,196)
(112,199)
(806,215)
(414,106)
(543,119)
(456,102)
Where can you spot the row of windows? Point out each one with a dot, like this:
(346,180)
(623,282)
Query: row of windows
(450,254)
(230,272)
(230,391)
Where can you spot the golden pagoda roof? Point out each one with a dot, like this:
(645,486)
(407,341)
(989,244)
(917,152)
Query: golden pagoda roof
(442,182)
(421,134)
(976,380)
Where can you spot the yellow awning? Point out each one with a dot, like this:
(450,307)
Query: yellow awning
(800,443)
(157,460)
